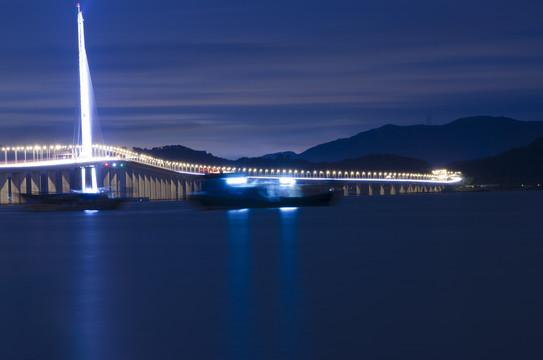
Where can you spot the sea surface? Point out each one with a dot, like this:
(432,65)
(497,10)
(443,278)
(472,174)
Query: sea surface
(437,276)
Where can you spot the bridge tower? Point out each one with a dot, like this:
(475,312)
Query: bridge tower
(86,117)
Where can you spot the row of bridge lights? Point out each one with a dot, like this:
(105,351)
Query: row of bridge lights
(36,149)
(104,150)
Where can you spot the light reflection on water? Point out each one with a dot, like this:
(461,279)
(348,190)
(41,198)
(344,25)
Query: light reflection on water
(242,312)
(290,285)
(90,330)
(240,299)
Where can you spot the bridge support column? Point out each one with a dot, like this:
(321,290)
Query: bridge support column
(370,189)
(152,187)
(156,180)
(142,192)
(188,188)
(18,187)
(4,189)
(158,188)
(173,188)
(106,179)
(345,190)
(392,189)
(134,181)
(382,190)
(123,182)
(180,190)
(163,188)
(114,182)
(65,179)
(146,185)
(358,189)
(402,190)
(35,182)
(52,182)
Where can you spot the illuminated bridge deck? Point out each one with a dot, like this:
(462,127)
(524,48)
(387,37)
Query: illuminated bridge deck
(52,169)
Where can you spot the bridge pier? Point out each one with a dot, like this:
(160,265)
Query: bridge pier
(181,193)
(382,188)
(173,190)
(188,188)
(65,178)
(122,179)
(18,183)
(4,189)
(52,181)
(35,182)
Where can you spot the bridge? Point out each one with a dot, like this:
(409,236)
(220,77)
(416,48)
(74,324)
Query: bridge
(125,173)
(89,167)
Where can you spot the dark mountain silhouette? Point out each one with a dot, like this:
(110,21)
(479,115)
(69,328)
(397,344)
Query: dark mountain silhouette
(284,161)
(381,162)
(386,162)
(284,155)
(515,167)
(463,139)
(183,154)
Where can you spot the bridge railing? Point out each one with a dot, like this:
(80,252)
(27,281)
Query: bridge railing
(37,153)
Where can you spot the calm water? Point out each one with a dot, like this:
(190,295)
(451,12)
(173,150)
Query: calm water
(449,276)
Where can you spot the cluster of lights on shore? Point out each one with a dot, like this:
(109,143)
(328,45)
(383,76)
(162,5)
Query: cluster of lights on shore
(56,152)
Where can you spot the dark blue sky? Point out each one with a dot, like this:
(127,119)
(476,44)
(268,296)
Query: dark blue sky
(252,77)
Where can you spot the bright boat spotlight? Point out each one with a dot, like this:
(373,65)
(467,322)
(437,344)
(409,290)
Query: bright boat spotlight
(236,180)
(287,181)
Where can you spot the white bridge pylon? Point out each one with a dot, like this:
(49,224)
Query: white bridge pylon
(86,117)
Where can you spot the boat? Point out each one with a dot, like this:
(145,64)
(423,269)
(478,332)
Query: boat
(239,192)
(74,201)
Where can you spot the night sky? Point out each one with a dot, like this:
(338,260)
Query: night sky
(246,78)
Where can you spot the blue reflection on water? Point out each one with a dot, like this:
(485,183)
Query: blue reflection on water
(290,303)
(90,332)
(240,313)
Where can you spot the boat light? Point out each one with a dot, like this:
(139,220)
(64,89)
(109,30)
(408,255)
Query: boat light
(236,180)
(287,181)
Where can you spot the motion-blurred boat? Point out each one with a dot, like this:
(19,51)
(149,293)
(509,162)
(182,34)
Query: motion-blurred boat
(71,201)
(238,192)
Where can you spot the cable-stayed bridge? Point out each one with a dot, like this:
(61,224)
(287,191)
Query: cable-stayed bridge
(55,169)
(89,167)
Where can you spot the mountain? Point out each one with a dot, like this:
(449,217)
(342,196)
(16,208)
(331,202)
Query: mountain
(287,161)
(463,139)
(515,167)
(379,162)
(183,154)
(281,155)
